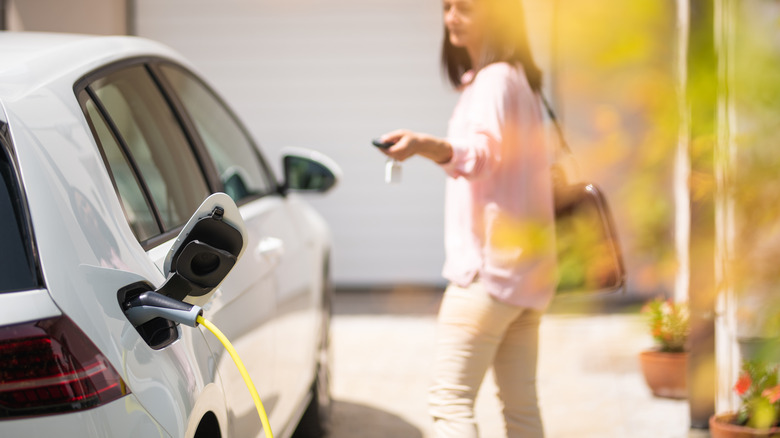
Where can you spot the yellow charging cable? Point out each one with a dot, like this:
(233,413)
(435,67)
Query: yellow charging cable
(241,368)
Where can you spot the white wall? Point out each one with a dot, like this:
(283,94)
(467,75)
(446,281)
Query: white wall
(101,17)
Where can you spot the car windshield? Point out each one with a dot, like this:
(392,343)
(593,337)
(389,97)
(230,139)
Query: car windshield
(17,268)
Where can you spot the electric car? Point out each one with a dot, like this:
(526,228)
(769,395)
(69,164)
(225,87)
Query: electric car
(110,149)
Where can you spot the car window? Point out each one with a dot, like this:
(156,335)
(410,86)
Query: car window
(17,269)
(137,210)
(238,162)
(155,142)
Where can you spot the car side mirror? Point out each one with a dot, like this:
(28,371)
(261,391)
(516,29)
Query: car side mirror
(206,249)
(308,171)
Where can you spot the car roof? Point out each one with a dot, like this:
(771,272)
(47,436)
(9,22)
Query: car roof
(29,60)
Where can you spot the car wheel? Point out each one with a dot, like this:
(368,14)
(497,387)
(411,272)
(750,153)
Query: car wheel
(208,427)
(316,418)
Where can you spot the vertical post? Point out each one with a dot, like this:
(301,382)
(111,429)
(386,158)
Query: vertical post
(701,90)
(3,19)
(130,17)
(726,327)
(682,165)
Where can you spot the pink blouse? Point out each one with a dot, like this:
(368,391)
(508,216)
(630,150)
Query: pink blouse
(498,207)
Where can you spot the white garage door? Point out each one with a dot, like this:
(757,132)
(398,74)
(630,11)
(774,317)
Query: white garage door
(331,75)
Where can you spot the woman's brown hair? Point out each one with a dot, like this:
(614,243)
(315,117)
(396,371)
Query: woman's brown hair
(506,40)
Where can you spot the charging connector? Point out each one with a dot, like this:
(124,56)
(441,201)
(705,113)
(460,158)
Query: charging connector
(150,305)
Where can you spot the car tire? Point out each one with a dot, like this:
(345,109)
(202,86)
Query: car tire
(314,421)
(208,427)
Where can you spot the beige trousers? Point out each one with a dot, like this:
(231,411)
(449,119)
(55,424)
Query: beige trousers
(474,332)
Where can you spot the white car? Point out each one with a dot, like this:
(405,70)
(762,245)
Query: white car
(108,147)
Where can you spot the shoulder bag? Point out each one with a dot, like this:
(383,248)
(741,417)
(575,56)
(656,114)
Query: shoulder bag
(589,257)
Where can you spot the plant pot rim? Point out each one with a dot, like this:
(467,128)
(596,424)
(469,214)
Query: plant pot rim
(656,350)
(724,421)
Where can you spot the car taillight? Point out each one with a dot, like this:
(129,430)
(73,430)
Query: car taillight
(50,366)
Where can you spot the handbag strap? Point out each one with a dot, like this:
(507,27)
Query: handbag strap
(558,130)
(565,168)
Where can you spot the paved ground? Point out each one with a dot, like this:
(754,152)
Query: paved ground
(589,380)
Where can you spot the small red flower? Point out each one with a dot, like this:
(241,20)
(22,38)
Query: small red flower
(772,394)
(743,384)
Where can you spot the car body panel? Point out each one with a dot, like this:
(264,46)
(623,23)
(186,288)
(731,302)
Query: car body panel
(123,418)
(31,305)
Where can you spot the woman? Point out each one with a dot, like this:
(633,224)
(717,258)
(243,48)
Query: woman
(498,218)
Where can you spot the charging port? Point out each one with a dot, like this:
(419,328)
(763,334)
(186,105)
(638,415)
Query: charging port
(158,332)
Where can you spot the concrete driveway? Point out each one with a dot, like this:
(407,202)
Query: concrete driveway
(590,385)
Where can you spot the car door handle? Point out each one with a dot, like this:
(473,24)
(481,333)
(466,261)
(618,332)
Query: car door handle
(270,248)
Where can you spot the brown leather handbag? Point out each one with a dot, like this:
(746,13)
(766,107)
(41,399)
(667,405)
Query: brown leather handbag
(589,256)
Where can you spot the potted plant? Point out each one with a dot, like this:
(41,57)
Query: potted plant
(760,408)
(665,367)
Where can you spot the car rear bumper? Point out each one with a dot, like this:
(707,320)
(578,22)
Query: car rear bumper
(119,419)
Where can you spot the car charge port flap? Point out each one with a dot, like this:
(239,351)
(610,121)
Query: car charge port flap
(206,249)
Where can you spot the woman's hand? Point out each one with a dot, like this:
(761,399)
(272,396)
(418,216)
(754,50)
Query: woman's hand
(407,144)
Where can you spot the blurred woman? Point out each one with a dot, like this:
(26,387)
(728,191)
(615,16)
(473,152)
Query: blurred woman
(499,239)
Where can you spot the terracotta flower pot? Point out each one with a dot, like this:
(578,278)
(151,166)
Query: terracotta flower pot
(722,426)
(665,373)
